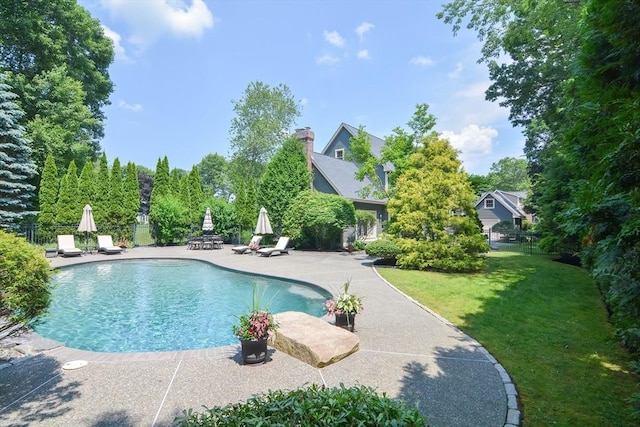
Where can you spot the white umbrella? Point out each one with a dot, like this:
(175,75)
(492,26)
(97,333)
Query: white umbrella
(87,224)
(207,224)
(263,226)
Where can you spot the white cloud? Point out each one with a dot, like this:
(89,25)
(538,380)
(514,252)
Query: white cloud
(149,20)
(132,107)
(421,60)
(334,38)
(304,101)
(474,108)
(456,73)
(118,49)
(328,59)
(364,28)
(364,54)
(475,143)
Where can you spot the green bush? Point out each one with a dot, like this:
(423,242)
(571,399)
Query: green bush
(171,217)
(457,253)
(359,245)
(311,406)
(25,291)
(383,248)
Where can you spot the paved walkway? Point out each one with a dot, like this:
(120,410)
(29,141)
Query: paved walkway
(405,351)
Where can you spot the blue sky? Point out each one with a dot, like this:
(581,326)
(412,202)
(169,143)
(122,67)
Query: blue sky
(180,63)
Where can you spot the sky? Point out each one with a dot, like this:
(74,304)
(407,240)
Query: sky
(180,64)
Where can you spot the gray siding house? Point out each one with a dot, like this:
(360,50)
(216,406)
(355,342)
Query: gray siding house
(496,206)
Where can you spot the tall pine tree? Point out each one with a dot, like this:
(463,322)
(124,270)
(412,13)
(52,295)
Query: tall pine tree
(101,197)
(86,185)
(116,195)
(16,166)
(69,207)
(48,194)
(131,194)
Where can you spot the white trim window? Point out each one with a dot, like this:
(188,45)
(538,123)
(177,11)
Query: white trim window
(339,153)
(489,203)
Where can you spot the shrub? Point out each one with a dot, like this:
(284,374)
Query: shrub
(383,248)
(171,217)
(25,291)
(451,254)
(359,245)
(311,406)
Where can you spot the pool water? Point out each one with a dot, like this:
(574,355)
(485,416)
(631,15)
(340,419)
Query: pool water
(162,305)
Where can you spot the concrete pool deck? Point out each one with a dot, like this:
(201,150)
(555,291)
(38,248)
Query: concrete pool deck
(406,351)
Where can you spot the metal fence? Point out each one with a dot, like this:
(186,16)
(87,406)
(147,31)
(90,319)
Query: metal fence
(128,235)
(525,242)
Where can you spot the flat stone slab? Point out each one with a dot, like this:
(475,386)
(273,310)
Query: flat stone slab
(312,340)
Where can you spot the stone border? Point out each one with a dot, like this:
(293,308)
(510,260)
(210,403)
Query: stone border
(514,414)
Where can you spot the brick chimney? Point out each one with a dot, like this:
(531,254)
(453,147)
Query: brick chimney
(307,136)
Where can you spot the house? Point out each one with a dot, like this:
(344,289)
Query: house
(496,206)
(333,173)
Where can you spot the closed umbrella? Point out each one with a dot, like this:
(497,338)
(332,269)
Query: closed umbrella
(87,224)
(263,226)
(207,224)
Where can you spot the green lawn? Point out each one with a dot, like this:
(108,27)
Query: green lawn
(545,322)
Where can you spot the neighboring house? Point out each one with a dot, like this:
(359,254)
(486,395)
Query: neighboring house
(496,206)
(333,173)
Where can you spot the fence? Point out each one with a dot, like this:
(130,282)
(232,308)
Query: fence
(525,242)
(129,235)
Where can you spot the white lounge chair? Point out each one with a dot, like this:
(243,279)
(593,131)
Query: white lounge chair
(106,246)
(67,246)
(243,249)
(279,248)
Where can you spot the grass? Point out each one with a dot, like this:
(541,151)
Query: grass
(546,324)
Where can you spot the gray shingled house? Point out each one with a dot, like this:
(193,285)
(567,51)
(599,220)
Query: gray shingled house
(496,206)
(334,174)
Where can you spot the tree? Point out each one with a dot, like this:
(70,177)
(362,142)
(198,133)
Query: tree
(25,287)
(101,200)
(430,212)
(117,212)
(245,204)
(263,117)
(480,184)
(171,218)
(213,170)
(145,180)
(131,194)
(316,220)
(162,179)
(86,185)
(222,215)
(16,166)
(286,175)
(509,174)
(196,195)
(48,195)
(38,36)
(68,207)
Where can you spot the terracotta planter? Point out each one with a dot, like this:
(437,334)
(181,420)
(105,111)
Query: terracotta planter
(346,320)
(254,351)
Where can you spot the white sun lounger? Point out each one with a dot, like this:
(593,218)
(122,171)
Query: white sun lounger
(280,248)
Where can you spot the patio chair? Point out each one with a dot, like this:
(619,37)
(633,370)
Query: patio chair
(279,248)
(243,249)
(106,246)
(67,246)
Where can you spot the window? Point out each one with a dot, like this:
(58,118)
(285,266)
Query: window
(340,153)
(489,203)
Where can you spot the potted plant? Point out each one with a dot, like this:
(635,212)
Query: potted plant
(344,307)
(253,330)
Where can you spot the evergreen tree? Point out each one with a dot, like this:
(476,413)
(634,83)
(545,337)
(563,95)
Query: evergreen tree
(185,197)
(16,166)
(285,177)
(161,179)
(48,194)
(86,185)
(69,207)
(116,195)
(131,194)
(174,182)
(196,194)
(101,198)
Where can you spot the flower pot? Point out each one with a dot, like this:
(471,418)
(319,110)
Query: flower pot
(254,351)
(346,320)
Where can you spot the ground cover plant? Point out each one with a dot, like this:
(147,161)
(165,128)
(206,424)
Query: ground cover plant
(310,406)
(546,323)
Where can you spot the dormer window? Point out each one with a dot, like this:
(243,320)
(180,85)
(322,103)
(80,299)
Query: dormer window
(340,153)
(489,203)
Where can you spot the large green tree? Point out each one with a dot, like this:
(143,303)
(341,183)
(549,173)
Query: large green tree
(16,166)
(102,188)
(286,175)
(131,194)
(214,176)
(509,174)
(264,116)
(48,194)
(69,207)
(432,212)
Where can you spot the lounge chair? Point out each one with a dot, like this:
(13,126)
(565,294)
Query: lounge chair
(243,249)
(279,248)
(106,246)
(67,246)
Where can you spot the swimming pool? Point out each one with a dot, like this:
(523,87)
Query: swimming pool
(162,305)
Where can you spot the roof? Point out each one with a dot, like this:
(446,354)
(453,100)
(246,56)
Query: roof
(376,143)
(501,197)
(341,176)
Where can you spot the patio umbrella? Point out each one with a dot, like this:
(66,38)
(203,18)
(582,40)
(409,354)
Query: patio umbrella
(207,224)
(263,226)
(87,224)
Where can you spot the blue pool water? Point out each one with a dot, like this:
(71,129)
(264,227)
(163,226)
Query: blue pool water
(162,305)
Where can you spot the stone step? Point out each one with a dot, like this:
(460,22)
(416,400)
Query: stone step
(312,340)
